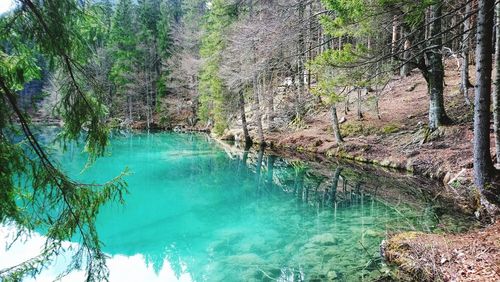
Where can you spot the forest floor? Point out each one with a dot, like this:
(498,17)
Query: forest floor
(397,138)
(473,256)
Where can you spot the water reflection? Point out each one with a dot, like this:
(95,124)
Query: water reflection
(203,211)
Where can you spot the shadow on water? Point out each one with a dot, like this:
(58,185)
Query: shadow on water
(218,212)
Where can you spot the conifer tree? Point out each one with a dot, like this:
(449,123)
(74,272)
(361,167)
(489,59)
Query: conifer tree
(123,40)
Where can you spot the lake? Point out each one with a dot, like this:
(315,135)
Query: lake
(201,211)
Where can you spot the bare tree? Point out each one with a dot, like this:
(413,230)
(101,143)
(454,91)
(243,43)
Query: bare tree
(464,71)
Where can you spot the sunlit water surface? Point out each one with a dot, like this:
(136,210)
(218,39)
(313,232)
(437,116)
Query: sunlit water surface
(198,211)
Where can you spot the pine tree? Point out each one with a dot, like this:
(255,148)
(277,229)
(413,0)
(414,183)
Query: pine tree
(123,44)
(30,180)
(212,89)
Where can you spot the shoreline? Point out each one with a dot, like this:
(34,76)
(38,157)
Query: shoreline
(285,149)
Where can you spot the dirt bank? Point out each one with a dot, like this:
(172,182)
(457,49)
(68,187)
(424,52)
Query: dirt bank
(474,256)
(400,137)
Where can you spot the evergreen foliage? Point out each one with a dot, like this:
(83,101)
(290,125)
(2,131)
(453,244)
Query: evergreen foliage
(36,194)
(212,88)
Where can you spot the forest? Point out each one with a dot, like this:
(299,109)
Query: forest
(407,86)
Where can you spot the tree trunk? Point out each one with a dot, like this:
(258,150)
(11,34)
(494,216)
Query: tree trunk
(496,95)
(148,121)
(359,113)
(241,104)
(310,32)
(435,77)
(335,184)
(270,170)
(258,168)
(300,64)
(427,22)
(377,94)
(130,108)
(406,68)
(394,35)
(258,115)
(244,158)
(321,41)
(483,165)
(335,125)
(346,105)
(464,74)
(270,105)
(300,173)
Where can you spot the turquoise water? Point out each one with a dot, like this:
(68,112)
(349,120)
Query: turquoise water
(205,212)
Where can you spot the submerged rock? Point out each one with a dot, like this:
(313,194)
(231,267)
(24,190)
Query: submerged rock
(247,259)
(331,275)
(325,239)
